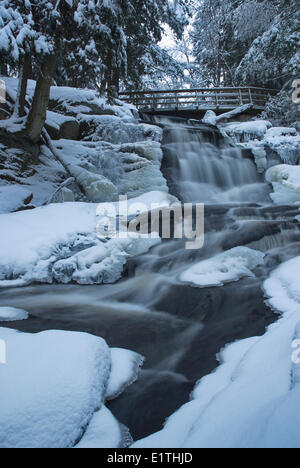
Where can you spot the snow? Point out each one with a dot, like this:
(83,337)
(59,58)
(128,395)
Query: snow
(104,431)
(12,87)
(251,400)
(245,131)
(74,101)
(12,198)
(281,131)
(124,371)
(103,170)
(63,398)
(285,142)
(210,118)
(60,242)
(118,155)
(265,142)
(32,241)
(51,406)
(229,266)
(11,314)
(117,130)
(285,180)
(56,120)
(102,263)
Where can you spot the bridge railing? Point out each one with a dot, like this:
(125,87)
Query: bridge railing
(198,99)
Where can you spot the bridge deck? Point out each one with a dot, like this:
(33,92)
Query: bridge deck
(202,99)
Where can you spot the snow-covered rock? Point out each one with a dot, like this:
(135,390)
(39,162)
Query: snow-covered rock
(11,314)
(118,130)
(102,263)
(210,118)
(104,170)
(229,266)
(53,390)
(251,400)
(285,142)
(276,132)
(13,197)
(60,242)
(61,126)
(74,101)
(246,131)
(124,364)
(267,143)
(285,180)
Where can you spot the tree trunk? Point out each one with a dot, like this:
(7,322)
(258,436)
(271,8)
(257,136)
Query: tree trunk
(38,112)
(25,68)
(113,85)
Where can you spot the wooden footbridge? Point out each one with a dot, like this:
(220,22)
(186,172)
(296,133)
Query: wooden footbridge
(198,101)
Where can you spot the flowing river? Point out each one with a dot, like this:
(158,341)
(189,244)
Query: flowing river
(179,329)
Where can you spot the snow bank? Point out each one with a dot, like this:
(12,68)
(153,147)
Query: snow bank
(286,183)
(63,399)
(32,241)
(59,243)
(74,101)
(226,267)
(10,314)
(13,197)
(251,400)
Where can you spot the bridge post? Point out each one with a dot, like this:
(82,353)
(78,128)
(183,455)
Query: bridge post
(217,100)
(153,102)
(250,96)
(241,97)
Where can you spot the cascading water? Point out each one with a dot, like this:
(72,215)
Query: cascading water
(178,328)
(203,168)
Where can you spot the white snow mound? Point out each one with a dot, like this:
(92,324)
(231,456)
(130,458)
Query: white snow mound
(53,390)
(229,266)
(286,183)
(11,314)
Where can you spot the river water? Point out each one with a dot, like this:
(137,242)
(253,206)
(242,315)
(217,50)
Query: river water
(178,328)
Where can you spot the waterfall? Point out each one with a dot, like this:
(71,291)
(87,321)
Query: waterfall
(201,166)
